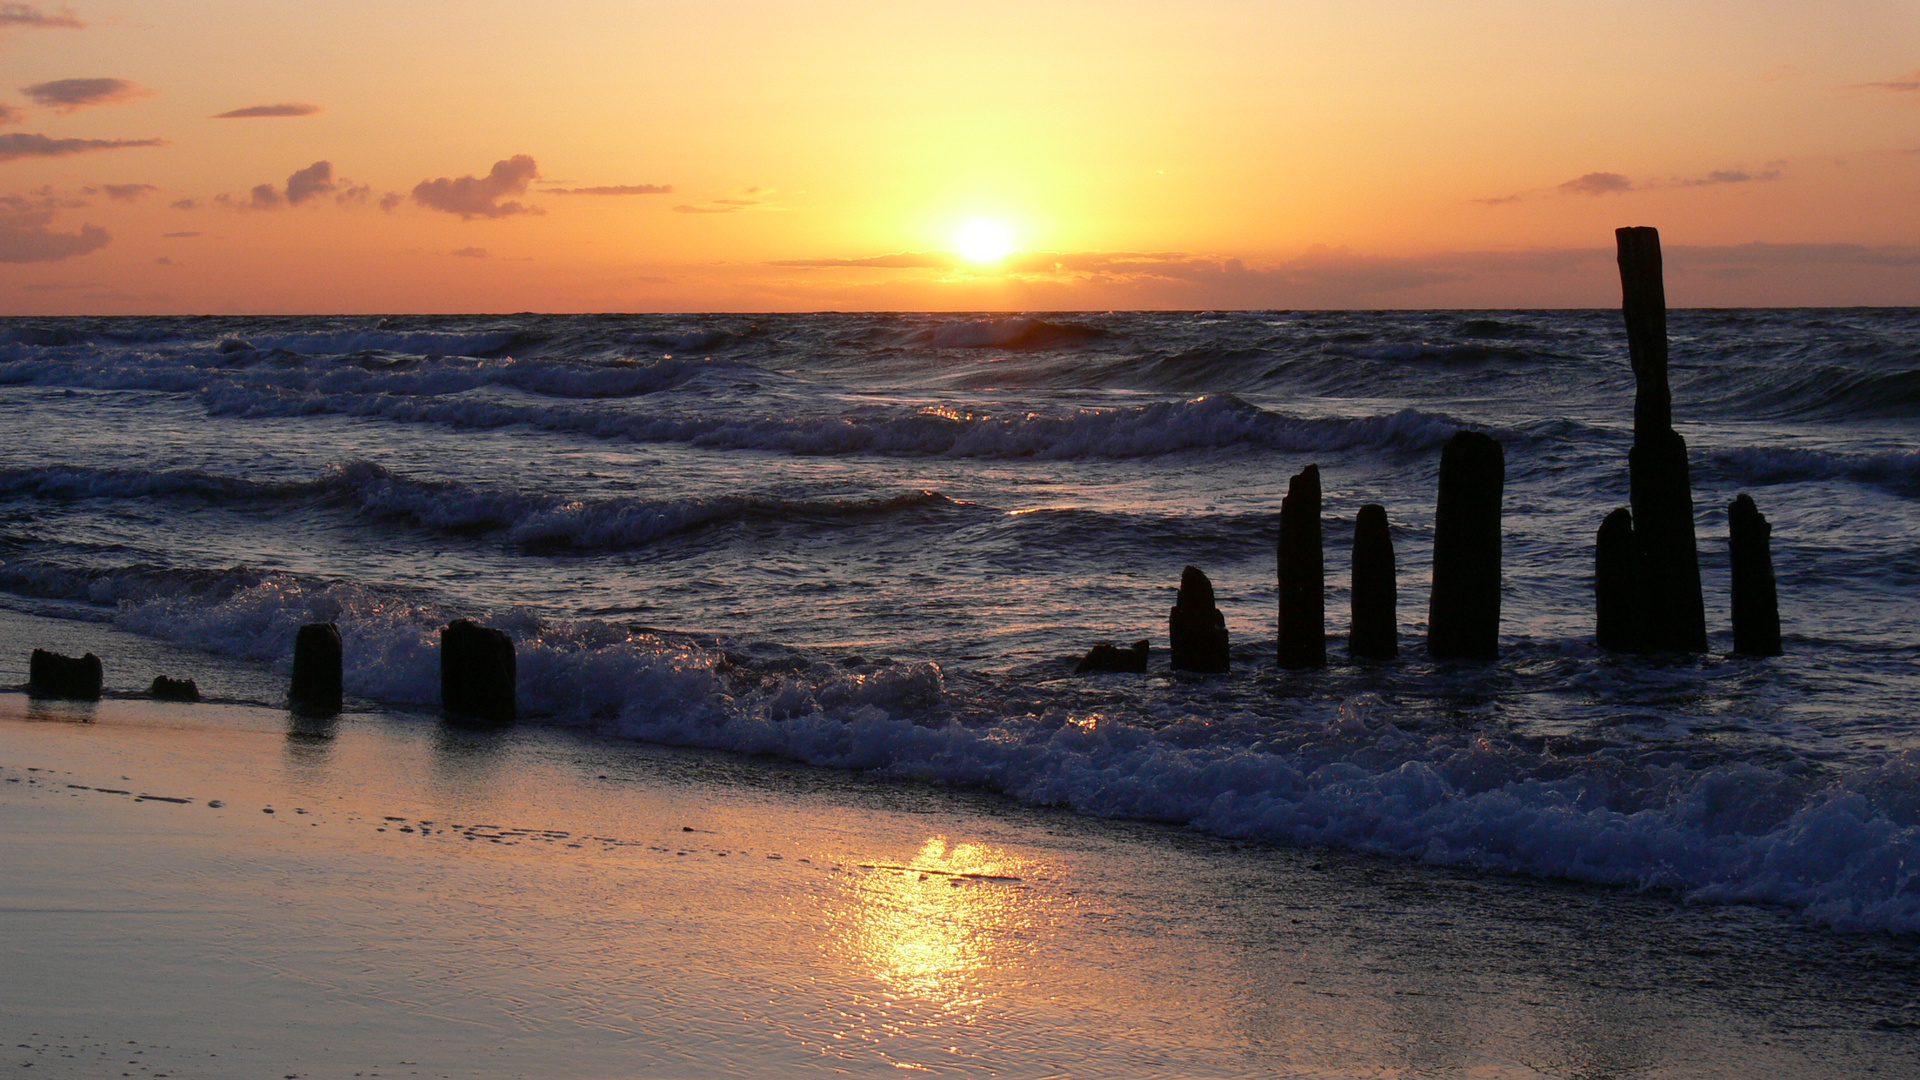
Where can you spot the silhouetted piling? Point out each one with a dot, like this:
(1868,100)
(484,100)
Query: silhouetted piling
(53,675)
(1463,614)
(1756,606)
(1616,585)
(1375,630)
(1196,630)
(477,680)
(1303,585)
(165,689)
(1106,656)
(1673,614)
(315,690)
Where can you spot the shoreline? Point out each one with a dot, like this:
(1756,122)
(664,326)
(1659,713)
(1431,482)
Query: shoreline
(537,902)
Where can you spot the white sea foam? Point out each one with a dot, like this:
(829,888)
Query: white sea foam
(1843,848)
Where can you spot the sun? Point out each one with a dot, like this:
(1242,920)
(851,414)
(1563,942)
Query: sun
(983,241)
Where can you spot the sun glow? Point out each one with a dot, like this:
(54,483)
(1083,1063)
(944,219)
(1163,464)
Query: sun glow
(984,241)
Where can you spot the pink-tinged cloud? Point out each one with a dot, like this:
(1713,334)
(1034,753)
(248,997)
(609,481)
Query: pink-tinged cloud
(266,197)
(29,16)
(481,196)
(1597,183)
(67,95)
(21,145)
(185,204)
(25,238)
(311,182)
(617,189)
(753,197)
(1731,176)
(12,114)
(121,192)
(471,253)
(179,235)
(391,200)
(285,108)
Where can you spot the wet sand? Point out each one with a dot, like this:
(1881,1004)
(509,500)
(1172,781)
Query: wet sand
(224,891)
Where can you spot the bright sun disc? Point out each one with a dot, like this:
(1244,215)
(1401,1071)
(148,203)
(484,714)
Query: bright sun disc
(984,241)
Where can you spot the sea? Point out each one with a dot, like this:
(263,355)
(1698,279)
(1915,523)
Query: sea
(880,543)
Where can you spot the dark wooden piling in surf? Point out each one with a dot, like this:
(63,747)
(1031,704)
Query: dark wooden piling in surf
(316,686)
(1666,549)
(1196,630)
(1463,613)
(1303,585)
(1374,633)
(165,689)
(50,674)
(1756,605)
(1108,657)
(1616,585)
(477,678)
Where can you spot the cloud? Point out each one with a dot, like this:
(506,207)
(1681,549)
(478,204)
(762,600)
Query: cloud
(185,204)
(480,196)
(1502,200)
(1905,84)
(753,197)
(285,108)
(12,114)
(618,189)
(1730,176)
(470,253)
(179,235)
(313,181)
(1597,183)
(22,145)
(905,260)
(25,238)
(29,16)
(353,193)
(67,95)
(390,200)
(121,192)
(266,197)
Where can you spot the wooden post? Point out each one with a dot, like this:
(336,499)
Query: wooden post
(1196,630)
(1616,585)
(50,674)
(477,678)
(1303,585)
(1463,614)
(1756,605)
(316,690)
(1374,632)
(1673,614)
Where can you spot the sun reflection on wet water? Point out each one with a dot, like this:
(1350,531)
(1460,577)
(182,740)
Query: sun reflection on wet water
(932,926)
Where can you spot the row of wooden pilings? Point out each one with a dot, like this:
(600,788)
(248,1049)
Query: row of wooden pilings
(477,674)
(1647,594)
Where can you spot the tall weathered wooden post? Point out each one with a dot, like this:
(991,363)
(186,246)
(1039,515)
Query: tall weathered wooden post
(1673,616)
(1756,606)
(1463,612)
(477,677)
(1374,632)
(315,688)
(1616,585)
(1303,584)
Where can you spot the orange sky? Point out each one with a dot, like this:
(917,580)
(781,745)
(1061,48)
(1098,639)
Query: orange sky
(751,155)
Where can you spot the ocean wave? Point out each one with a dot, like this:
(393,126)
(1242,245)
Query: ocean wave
(529,521)
(1214,422)
(235,369)
(1897,471)
(1010,332)
(1842,847)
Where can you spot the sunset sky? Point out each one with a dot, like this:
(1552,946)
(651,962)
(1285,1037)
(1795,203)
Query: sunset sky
(226,157)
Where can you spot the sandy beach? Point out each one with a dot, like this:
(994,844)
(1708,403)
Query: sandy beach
(220,890)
